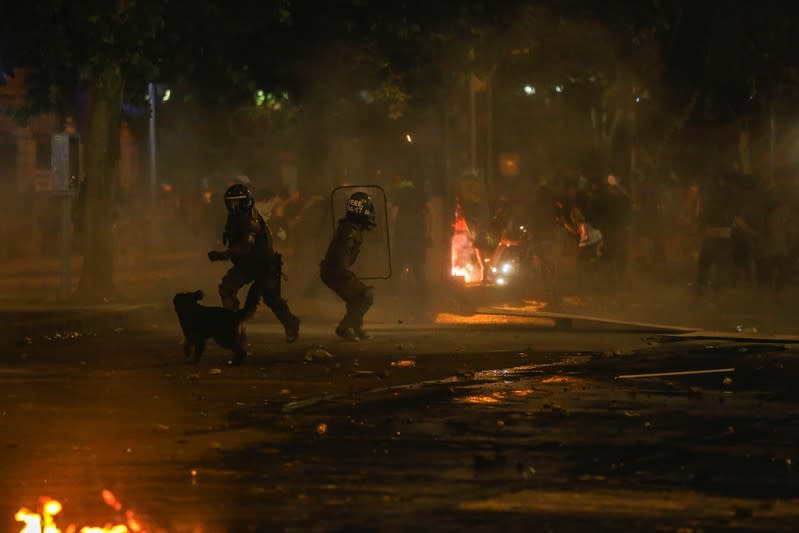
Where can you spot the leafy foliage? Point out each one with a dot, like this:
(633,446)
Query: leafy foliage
(70,43)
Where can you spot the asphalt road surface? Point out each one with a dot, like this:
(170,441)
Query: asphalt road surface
(501,427)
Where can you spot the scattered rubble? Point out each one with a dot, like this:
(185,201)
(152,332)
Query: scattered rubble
(61,336)
(318,354)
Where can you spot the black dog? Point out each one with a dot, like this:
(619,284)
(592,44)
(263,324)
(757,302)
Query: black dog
(200,323)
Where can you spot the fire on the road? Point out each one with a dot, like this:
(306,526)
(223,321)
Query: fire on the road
(465,258)
(44,521)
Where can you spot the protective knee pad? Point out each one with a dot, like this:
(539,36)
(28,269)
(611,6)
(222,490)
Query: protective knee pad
(369,296)
(366,300)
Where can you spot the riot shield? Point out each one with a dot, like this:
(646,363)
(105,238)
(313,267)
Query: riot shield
(374,261)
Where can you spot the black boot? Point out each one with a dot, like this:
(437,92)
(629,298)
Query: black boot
(348,334)
(362,334)
(238,358)
(292,327)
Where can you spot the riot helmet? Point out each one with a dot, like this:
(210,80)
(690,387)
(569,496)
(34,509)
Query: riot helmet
(361,209)
(238,199)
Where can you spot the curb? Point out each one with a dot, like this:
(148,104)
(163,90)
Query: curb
(21,325)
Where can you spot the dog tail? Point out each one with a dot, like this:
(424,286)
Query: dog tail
(251,303)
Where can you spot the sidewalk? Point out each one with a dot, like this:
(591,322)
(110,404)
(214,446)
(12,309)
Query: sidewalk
(29,288)
(35,280)
(743,308)
(24,325)
(29,306)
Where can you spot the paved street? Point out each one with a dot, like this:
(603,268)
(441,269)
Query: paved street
(483,427)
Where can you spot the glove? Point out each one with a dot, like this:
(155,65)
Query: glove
(214,255)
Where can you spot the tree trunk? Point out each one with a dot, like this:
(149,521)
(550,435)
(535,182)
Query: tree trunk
(744,150)
(604,123)
(610,141)
(673,128)
(101,150)
(772,144)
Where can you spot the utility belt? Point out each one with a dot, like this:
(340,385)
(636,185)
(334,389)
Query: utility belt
(272,266)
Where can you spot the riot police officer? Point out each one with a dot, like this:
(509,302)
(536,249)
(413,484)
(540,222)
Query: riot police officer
(249,248)
(341,254)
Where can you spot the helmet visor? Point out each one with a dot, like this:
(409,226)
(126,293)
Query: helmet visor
(238,203)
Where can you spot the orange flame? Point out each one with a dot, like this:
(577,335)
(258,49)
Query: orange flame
(111,500)
(465,259)
(45,522)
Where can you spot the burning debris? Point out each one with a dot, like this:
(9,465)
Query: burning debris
(44,520)
(465,256)
(495,262)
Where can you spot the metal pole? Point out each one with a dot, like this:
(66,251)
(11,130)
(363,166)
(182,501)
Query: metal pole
(447,161)
(490,163)
(66,246)
(633,178)
(448,203)
(153,170)
(678,373)
(772,141)
(473,122)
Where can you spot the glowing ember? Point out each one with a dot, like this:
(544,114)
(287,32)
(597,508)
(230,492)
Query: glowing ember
(494,397)
(574,381)
(557,379)
(480,399)
(44,522)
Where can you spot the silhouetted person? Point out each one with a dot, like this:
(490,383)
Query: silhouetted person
(613,219)
(715,223)
(341,255)
(250,249)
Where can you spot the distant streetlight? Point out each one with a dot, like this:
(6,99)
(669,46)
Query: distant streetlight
(156,93)
(558,89)
(260,98)
(366,96)
(529,90)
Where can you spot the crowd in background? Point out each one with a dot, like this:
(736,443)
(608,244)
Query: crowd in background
(586,235)
(595,236)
